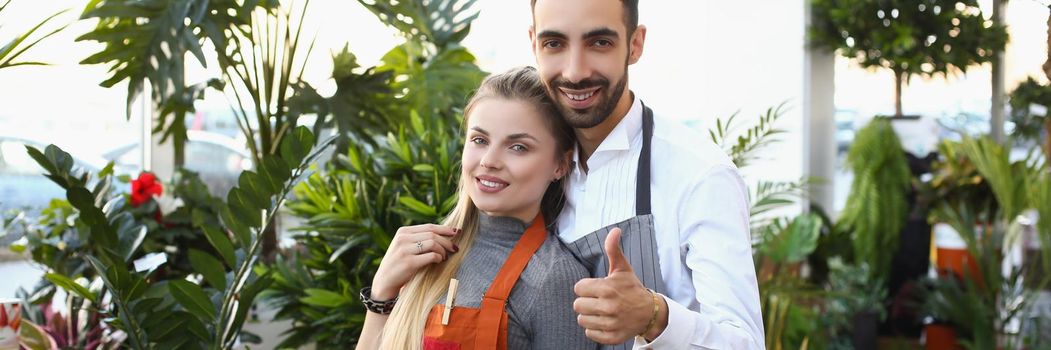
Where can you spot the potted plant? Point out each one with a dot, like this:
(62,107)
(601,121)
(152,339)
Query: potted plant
(854,296)
(980,305)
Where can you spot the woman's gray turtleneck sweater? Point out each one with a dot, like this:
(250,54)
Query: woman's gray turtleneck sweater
(540,308)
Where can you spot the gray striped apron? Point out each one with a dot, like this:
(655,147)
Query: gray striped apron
(638,238)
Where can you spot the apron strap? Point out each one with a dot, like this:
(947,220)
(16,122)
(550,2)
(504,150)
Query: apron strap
(496,296)
(642,181)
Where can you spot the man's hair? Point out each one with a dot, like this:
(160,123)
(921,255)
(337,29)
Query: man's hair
(631,14)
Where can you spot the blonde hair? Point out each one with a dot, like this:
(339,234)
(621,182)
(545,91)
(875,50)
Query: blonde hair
(404,328)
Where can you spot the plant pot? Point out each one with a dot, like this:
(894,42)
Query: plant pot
(10,321)
(865,326)
(940,337)
(952,256)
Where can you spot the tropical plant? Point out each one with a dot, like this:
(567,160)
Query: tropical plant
(179,312)
(908,37)
(400,166)
(59,246)
(788,318)
(10,52)
(956,181)
(1029,112)
(147,42)
(850,292)
(876,208)
(981,307)
(743,149)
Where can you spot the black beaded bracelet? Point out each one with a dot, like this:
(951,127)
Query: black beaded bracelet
(382,307)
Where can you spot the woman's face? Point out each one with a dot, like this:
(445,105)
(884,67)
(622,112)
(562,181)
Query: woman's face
(509,158)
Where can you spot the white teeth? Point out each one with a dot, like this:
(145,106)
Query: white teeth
(580,97)
(491,184)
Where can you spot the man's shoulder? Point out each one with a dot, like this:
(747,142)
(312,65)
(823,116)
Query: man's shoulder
(680,148)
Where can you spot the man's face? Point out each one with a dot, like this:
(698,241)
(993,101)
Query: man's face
(583,51)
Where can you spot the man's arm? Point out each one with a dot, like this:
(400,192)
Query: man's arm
(715,231)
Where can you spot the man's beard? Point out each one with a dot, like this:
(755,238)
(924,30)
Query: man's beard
(594,115)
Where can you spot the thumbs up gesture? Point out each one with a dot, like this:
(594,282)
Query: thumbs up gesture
(618,307)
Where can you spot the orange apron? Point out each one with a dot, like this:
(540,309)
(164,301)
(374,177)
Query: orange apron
(486,327)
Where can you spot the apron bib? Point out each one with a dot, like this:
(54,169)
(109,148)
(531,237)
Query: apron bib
(638,238)
(485,328)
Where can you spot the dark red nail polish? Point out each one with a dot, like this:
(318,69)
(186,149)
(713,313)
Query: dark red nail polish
(456,248)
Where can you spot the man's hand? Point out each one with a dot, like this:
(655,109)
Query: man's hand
(618,307)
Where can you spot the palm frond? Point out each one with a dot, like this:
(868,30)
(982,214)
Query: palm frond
(742,149)
(10,52)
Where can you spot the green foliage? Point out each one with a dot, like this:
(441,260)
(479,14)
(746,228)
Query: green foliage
(259,61)
(352,210)
(400,166)
(791,243)
(850,291)
(359,107)
(981,305)
(743,149)
(440,24)
(10,52)
(180,313)
(876,208)
(908,37)
(956,181)
(927,37)
(1030,123)
(148,42)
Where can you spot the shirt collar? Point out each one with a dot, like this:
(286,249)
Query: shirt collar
(619,139)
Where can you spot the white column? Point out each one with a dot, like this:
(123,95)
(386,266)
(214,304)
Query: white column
(819,124)
(156,157)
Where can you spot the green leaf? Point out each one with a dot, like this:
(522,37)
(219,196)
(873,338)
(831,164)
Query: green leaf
(70,286)
(324,298)
(209,267)
(417,206)
(221,243)
(193,298)
(296,146)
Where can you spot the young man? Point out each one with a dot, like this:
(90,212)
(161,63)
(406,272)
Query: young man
(673,272)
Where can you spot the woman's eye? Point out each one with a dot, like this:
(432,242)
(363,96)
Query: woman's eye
(478,141)
(519,148)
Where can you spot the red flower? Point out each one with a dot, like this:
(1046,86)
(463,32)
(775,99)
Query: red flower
(143,188)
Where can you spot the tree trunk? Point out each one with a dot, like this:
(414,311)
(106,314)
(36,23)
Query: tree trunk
(1047,64)
(1047,72)
(898,77)
(1047,138)
(268,252)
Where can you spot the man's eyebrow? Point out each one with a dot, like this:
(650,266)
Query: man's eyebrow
(605,31)
(475,128)
(552,34)
(521,135)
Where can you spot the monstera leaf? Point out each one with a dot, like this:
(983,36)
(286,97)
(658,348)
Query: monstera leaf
(454,69)
(147,41)
(442,22)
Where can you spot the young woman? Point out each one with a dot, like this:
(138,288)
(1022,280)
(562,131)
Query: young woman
(514,279)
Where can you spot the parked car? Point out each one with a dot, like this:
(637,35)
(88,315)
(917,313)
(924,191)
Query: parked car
(217,158)
(22,182)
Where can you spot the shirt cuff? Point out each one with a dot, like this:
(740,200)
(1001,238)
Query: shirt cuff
(681,322)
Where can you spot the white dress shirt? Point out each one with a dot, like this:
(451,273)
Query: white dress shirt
(700,209)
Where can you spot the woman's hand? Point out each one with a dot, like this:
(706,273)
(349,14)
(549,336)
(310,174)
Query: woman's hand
(412,248)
